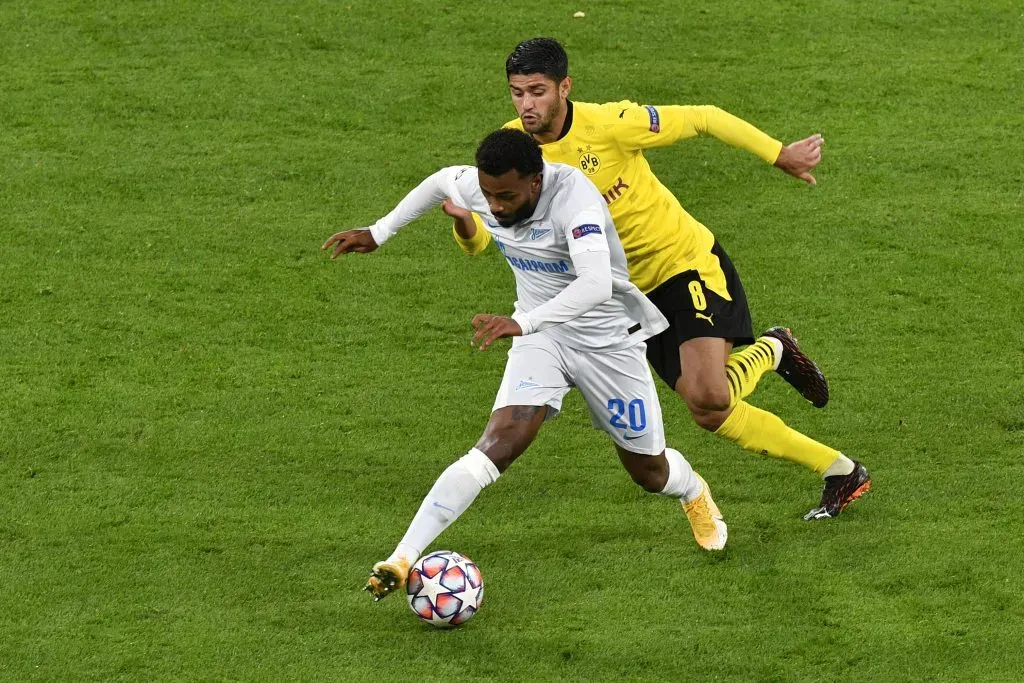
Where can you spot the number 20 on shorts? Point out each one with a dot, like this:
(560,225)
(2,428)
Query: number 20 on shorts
(634,411)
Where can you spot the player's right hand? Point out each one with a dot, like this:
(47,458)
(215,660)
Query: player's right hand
(359,241)
(491,328)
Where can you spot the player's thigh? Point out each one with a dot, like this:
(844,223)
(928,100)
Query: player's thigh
(703,383)
(623,400)
(536,374)
(708,301)
(532,388)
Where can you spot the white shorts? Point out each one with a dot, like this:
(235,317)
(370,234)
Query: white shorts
(617,386)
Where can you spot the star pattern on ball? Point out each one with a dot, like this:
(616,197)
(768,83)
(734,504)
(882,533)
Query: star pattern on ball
(471,595)
(431,587)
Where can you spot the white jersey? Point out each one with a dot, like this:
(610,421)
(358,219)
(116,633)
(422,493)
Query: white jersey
(571,218)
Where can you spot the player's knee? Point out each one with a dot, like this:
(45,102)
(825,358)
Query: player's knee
(706,398)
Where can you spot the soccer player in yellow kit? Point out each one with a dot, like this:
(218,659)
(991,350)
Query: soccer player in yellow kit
(677,261)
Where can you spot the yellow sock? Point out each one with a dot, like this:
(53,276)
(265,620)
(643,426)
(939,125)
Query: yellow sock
(761,432)
(745,368)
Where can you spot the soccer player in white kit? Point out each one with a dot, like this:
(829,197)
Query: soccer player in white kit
(578,322)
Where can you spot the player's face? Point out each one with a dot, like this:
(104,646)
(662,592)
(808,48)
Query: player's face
(512,197)
(539,100)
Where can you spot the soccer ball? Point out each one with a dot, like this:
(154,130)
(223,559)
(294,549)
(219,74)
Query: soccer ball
(445,589)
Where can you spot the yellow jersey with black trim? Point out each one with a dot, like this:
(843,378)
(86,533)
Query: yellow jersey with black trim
(606,142)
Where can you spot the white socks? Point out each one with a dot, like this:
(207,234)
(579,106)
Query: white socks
(683,482)
(458,486)
(841,466)
(777,345)
(451,494)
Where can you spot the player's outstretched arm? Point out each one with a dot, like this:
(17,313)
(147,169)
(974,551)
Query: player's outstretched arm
(360,241)
(424,197)
(797,159)
(800,157)
(643,127)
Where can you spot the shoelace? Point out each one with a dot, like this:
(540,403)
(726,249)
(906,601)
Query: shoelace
(705,522)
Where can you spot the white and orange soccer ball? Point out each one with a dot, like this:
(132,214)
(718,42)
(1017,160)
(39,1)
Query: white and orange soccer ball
(444,589)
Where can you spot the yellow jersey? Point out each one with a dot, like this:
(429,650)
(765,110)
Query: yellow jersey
(606,141)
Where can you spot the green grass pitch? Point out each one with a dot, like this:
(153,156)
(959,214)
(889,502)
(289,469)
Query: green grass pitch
(209,431)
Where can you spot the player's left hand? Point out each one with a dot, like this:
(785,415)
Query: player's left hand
(456,211)
(798,158)
(465,228)
(490,328)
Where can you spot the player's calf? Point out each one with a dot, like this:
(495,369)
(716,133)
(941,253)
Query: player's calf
(650,472)
(509,432)
(669,474)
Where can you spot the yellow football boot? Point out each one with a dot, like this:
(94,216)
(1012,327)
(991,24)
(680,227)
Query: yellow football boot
(387,576)
(706,520)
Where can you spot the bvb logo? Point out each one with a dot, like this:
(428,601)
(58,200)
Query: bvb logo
(589,163)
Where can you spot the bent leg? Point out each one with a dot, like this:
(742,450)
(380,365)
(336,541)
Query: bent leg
(619,389)
(509,432)
(705,388)
(669,474)
(703,384)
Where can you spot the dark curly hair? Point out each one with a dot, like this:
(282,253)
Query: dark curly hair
(509,149)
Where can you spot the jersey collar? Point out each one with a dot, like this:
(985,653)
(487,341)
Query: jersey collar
(568,120)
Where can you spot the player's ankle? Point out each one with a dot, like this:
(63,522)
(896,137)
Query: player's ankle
(841,466)
(404,554)
(777,347)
